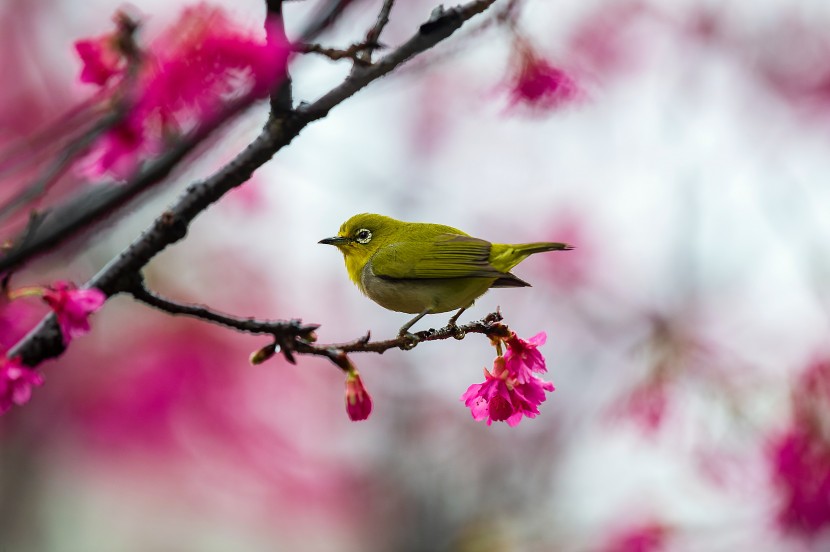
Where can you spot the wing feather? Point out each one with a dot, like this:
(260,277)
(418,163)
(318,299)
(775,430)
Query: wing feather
(445,256)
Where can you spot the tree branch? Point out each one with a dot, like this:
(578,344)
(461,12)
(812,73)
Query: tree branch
(288,328)
(45,341)
(293,337)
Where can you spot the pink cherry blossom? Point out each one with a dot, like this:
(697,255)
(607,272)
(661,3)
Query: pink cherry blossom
(522,357)
(120,150)
(358,401)
(73,307)
(536,83)
(101,59)
(16,383)
(503,398)
(185,77)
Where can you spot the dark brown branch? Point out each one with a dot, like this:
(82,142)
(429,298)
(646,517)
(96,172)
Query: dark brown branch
(45,340)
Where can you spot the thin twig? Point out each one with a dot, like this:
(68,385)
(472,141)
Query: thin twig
(373,36)
(288,328)
(353,52)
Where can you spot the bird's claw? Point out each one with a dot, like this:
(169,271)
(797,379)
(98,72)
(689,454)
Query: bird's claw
(409,340)
(457,332)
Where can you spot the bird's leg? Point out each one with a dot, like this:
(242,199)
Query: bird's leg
(404,331)
(458,333)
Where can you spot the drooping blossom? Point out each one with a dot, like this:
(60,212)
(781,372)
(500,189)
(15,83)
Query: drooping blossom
(16,383)
(536,83)
(185,77)
(358,401)
(523,358)
(511,391)
(72,307)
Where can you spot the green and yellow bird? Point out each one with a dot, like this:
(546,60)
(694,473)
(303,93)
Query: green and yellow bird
(421,268)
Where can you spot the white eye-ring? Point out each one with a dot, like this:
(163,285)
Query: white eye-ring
(363,236)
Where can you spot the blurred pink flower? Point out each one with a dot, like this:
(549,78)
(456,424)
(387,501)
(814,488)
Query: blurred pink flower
(121,149)
(186,76)
(537,83)
(101,58)
(650,537)
(647,405)
(503,398)
(609,38)
(358,401)
(800,458)
(801,472)
(73,307)
(16,383)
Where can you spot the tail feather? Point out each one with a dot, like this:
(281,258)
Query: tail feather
(540,247)
(509,280)
(505,256)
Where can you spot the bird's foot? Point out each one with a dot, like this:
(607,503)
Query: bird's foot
(457,332)
(409,340)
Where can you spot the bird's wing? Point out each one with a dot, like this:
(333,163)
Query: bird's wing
(446,256)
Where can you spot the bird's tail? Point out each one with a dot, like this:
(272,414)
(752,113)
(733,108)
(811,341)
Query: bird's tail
(505,256)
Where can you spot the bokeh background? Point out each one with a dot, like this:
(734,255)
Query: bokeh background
(687,332)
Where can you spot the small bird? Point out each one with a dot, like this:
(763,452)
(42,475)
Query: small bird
(421,268)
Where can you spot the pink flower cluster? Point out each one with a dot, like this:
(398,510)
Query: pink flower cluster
(512,389)
(184,78)
(16,383)
(72,307)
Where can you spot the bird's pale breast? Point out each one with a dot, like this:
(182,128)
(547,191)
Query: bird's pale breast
(416,295)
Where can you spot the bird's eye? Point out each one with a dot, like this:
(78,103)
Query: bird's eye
(363,236)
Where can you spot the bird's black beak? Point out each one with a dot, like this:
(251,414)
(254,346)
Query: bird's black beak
(337,240)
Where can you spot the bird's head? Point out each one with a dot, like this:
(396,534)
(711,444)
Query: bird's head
(360,237)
